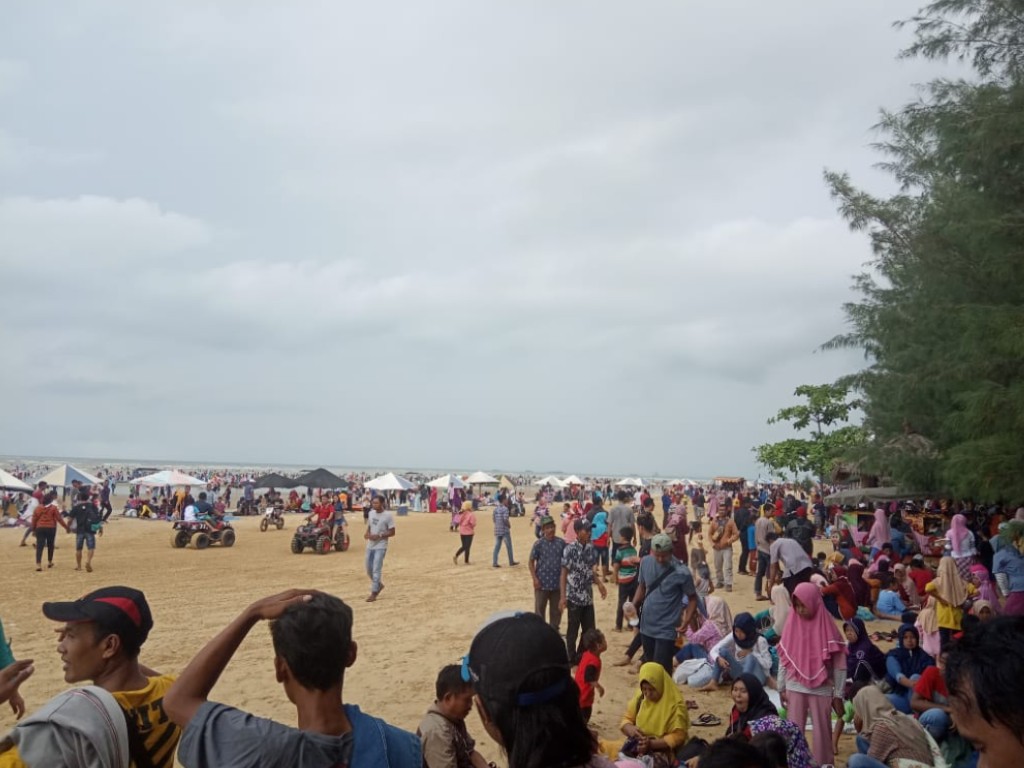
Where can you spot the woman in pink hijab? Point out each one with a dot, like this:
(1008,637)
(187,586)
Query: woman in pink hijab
(880,533)
(812,668)
(961,546)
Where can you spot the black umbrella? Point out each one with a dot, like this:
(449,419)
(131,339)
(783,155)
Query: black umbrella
(320,478)
(274,480)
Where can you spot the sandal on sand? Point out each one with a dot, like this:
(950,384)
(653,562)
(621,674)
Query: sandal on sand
(691,704)
(708,720)
(622,662)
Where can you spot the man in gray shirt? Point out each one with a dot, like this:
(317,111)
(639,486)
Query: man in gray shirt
(797,566)
(312,638)
(620,516)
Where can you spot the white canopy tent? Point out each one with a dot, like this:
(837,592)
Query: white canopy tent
(572,480)
(447,480)
(390,482)
(64,475)
(551,480)
(632,482)
(9,482)
(481,478)
(164,477)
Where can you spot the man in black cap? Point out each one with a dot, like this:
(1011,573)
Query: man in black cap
(577,587)
(99,643)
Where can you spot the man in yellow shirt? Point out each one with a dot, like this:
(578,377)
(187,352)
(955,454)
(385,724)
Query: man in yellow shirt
(99,643)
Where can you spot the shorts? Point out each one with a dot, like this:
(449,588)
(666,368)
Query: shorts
(85,538)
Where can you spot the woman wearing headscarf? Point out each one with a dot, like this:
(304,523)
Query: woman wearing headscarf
(927,625)
(904,665)
(812,668)
(1008,567)
(864,660)
(692,659)
(842,593)
(656,716)
(951,592)
(861,589)
(880,532)
(798,753)
(781,605)
(906,586)
(982,581)
(741,651)
(750,702)
(719,613)
(886,737)
(961,546)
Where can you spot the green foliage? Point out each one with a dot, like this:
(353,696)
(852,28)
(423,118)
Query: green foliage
(824,406)
(941,309)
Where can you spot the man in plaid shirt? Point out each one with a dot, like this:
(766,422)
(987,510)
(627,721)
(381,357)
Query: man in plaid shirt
(502,532)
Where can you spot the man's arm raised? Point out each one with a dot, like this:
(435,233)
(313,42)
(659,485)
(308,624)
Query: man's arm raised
(193,686)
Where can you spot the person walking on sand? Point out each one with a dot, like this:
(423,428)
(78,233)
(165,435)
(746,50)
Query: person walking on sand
(467,526)
(502,532)
(380,526)
(88,522)
(45,520)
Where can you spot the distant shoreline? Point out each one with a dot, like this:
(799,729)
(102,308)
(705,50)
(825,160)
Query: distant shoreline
(87,463)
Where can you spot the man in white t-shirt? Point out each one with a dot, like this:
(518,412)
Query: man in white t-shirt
(380,526)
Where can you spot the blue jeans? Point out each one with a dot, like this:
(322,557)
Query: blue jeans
(936,722)
(863,761)
(862,744)
(901,701)
(748,664)
(86,539)
(374,567)
(507,538)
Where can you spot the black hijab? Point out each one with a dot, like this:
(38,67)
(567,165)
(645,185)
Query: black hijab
(758,706)
(745,622)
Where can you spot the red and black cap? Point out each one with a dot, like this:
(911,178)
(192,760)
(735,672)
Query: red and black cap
(123,608)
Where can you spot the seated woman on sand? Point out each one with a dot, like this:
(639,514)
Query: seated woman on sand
(742,650)
(656,722)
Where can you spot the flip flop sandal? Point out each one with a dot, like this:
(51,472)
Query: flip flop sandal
(708,720)
(691,704)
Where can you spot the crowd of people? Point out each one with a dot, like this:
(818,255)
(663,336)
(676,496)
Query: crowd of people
(807,657)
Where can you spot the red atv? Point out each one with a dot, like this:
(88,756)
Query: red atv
(318,538)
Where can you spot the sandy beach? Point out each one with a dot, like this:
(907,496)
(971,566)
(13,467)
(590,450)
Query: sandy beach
(424,619)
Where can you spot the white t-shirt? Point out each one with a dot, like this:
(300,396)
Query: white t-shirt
(190,513)
(33,502)
(794,558)
(379,523)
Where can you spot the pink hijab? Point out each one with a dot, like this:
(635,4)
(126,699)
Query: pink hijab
(809,643)
(957,532)
(983,582)
(880,533)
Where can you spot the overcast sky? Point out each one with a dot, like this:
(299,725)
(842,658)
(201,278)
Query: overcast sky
(588,236)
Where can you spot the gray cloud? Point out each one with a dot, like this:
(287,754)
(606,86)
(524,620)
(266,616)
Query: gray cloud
(583,236)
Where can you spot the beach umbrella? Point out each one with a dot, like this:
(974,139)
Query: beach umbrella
(9,482)
(319,478)
(481,478)
(273,480)
(573,480)
(551,480)
(390,482)
(506,483)
(445,480)
(64,475)
(633,482)
(167,477)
